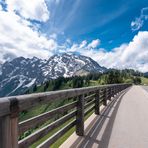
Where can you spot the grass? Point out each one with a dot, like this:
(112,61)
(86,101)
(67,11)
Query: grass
(144,81)
(93,83)
(68,134)
(32,112)
(60,141)
(129,80)
(63,138)
(43,108)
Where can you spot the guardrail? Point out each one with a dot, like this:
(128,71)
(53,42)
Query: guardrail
(85,100)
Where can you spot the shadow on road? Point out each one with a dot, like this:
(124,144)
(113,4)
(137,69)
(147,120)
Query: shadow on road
(93,130)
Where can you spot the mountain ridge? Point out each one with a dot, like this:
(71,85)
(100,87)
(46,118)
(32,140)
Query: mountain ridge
(21,73)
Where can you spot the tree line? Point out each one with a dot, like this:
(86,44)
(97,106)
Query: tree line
(110,77)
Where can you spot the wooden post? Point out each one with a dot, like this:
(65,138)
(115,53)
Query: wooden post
(118,89)
(97,103)
(109,97)
(14,121)
(105,97)
(14,132)
(112,92)
(5,132)
(80,116)
(115,91)
(9,126)
(8,132)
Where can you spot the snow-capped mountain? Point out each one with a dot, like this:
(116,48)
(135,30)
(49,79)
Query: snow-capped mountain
(21,73)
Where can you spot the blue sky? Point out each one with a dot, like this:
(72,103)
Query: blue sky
(112,32)
(110,21)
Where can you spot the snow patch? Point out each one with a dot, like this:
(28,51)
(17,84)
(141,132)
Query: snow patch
(33,65)
(45,73)
(31,83)
(80,61)
(21,82)
(23,62)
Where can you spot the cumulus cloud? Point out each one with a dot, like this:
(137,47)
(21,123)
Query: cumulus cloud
(133,55)
(83,46)
(18,38)
(53,36)
(68,41)
(94,43)
(0,7)
(139,21)
(35,9)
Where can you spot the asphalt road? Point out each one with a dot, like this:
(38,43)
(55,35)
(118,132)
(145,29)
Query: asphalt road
(145,87)
(123,125)
(130,129)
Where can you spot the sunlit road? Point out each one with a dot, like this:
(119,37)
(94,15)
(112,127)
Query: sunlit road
(124,124)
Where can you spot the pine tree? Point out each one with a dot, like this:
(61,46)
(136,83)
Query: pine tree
(35,88)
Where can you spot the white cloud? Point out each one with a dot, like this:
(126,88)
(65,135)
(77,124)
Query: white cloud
(53,36)
(34,9)
(137,24)
(68,41)
(139,21)
(144,13)
(0,7)
(19,39)
(73,48)
(83,44)
(132,55)
(94,43)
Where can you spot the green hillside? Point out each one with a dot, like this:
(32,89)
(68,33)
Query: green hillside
(144,81)
(111,77)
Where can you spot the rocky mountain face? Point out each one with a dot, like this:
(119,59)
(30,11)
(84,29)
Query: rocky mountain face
(146,74)
(0,68)
(21,73)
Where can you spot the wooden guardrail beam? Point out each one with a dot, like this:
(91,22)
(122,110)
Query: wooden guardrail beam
(87,99)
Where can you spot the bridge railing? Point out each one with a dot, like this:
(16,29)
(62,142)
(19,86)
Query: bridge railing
(84,101)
